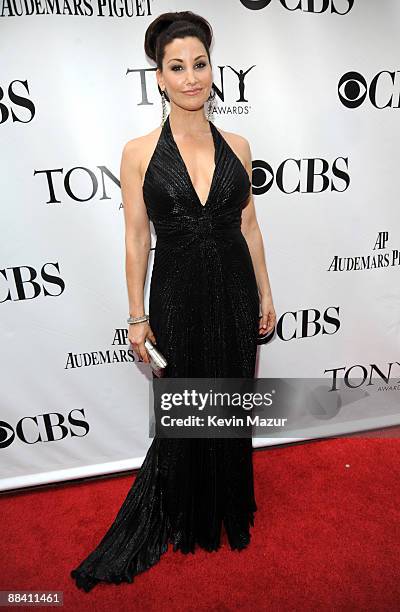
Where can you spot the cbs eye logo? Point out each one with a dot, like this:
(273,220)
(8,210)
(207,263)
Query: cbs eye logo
(263,176)
(7,434)
(353,89)
(302,175)
(48,427)
(307,6)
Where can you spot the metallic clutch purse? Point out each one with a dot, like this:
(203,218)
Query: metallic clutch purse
(157,359)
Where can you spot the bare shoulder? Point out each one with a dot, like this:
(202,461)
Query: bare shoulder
(137,152)
(239,144)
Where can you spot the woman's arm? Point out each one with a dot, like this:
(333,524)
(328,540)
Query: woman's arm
(137,242)
(251,232)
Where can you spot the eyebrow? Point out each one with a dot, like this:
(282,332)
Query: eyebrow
(177,59)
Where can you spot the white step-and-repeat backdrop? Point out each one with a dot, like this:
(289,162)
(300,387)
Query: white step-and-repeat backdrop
(314,85)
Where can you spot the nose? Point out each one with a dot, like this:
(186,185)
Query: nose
(191,77)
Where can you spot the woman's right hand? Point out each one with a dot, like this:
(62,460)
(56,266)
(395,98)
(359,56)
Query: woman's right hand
(138,332)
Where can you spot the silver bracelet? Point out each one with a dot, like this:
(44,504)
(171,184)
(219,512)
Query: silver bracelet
(141,319)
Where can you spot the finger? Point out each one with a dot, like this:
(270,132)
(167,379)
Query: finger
(141,351)
(271,321)
(144,354)
(137,353)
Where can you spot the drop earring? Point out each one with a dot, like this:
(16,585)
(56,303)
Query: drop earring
(164,107)
(210,108)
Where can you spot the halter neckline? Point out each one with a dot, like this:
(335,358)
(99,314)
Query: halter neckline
(214,133)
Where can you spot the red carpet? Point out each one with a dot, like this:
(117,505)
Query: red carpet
(326,537)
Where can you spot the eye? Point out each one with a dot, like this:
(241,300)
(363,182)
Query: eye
(176,67)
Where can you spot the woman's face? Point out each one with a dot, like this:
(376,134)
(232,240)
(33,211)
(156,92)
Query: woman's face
(186,67)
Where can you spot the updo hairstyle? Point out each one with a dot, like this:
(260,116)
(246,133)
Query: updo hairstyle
(168,26)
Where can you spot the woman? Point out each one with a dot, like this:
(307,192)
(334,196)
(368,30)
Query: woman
(209,282)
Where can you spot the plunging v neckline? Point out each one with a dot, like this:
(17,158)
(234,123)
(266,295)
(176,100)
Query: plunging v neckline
(212,127)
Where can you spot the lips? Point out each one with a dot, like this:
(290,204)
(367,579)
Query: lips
(192,92)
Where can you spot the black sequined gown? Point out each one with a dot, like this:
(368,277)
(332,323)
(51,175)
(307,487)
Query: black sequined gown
(204,310)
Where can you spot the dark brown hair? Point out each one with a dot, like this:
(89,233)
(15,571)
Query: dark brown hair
(168,26)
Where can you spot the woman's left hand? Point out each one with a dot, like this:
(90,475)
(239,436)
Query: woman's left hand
(268,318)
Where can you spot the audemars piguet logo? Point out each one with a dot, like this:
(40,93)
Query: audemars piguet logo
(382,90)
(98,357)
(381,257)
(88,8)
